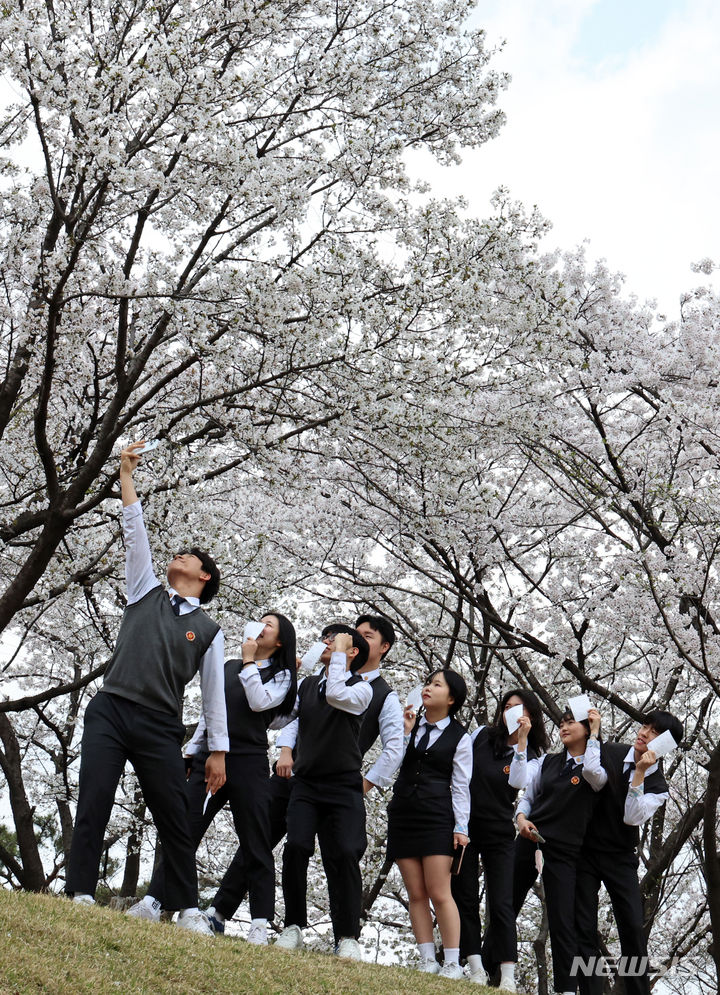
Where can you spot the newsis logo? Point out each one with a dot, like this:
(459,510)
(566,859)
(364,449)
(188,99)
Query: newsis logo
(622,967)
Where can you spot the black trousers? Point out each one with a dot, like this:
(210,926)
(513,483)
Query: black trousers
(335,812)
(248,791)
(498,856)
(618,872)
(559,882)
(234,884)
(116,730)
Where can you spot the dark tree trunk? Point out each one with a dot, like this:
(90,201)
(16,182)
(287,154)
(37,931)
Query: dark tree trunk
(32,876)
(134,845)
(712,859)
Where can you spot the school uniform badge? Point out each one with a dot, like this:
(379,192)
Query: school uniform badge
(575,780)
(506,769)
(190,636)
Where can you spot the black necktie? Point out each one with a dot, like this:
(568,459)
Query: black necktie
(568,766)
(176,601)
(425,738)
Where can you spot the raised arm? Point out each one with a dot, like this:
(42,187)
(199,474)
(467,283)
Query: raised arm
(139,574)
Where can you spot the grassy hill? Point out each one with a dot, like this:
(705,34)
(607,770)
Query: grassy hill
(50,946)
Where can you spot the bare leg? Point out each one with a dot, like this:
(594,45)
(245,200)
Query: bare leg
(411,869)
(436,873)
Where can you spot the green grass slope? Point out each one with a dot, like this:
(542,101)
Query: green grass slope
(50,946)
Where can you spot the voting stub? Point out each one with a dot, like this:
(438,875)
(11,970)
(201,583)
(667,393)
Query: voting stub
(313,655)
(580,705)
(253,630)
(414,699)
(148,447)
(662,744)
(208,796)
(512,718)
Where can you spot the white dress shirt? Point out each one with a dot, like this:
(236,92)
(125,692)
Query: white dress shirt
(462,770)
(639,807)
(520,766)
(593,772)
(140,578)
(352,698)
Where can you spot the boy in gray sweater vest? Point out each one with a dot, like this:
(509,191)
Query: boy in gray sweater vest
(165,638)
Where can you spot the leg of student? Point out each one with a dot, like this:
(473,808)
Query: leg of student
(587,886)
(158,763)
(619,873)
(436,871)
(498,864)
(103,757)
(343,823)
(303,818)
(233,886)
(559,882)
(411,869)
(249,794)
(524,872)
(466,893)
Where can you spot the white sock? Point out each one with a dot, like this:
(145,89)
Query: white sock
(427,951)
(452,955)
(507,973)
(151,903)
(475,963)
(212,911)
(257,922)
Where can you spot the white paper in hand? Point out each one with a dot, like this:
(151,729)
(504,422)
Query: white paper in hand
(253,630)
(512,718)
(148,447)
(208,796)
(414,699)
(539,861)
(580,705)
(662,744)
(313,655)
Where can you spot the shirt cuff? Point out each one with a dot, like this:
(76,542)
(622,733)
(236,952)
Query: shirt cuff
(460,829)
(219,744)
(520,754)
(133,510)
(592,743)
(248,670)
(636,790)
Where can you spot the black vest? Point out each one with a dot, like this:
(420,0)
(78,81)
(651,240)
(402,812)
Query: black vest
(429,773)
(607,831)
(370,728)
(158,652)
(247,729)
(328,739)
(564,804)
(492,799)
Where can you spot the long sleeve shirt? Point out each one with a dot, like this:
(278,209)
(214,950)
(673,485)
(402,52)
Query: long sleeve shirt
(520,767)
(640,807)
(140,578)
(593,772)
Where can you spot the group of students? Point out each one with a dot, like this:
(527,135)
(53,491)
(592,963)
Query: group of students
(454,801)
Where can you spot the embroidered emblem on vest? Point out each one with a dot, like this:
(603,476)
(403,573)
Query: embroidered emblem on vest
(574,780)
(190,636)
(506,769)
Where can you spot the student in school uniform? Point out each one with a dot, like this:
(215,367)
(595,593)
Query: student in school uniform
(501,764)
(260,687)
(383,718)
(165,639)
(558,805)
(636,789)
(428,816)
(327,798)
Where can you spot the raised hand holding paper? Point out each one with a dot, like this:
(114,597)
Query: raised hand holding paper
(313,655)
(580,705)
(253,630)
(148,447)
(414,699)
(662,744)
(512,718)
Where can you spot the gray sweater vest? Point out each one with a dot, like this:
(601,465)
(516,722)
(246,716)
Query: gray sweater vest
(158,652)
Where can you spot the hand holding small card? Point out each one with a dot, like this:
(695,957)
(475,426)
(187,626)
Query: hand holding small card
(662,744)
(312,656)
(253,630)
(414,699)
(512,718)
(580,705)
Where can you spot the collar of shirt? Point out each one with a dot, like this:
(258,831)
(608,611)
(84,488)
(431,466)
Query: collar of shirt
(195,602)
(442,724)
(575,760)
(371,675)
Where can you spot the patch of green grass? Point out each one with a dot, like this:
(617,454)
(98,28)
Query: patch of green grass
(48,946)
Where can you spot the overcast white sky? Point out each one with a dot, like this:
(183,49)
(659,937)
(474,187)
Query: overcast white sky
(613,122)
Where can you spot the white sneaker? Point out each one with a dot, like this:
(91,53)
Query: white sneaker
(194,922)
(453,971)
(507,985)
(291,938)
(81,899)
(141,910)
(349,948)
(258,936)
(479,977)
(428,965)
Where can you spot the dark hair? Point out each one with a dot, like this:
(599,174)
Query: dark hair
(209,566)
(664,722)
(283,658)
(456,686)
(358,641)
(382,625)
(537,736)
(567,716)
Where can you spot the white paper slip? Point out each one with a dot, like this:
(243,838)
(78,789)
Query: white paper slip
(512,718)
(208,796)
(580,705)
(662,744)
(253,630)
(148,447)
(312,656)
(414,698)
